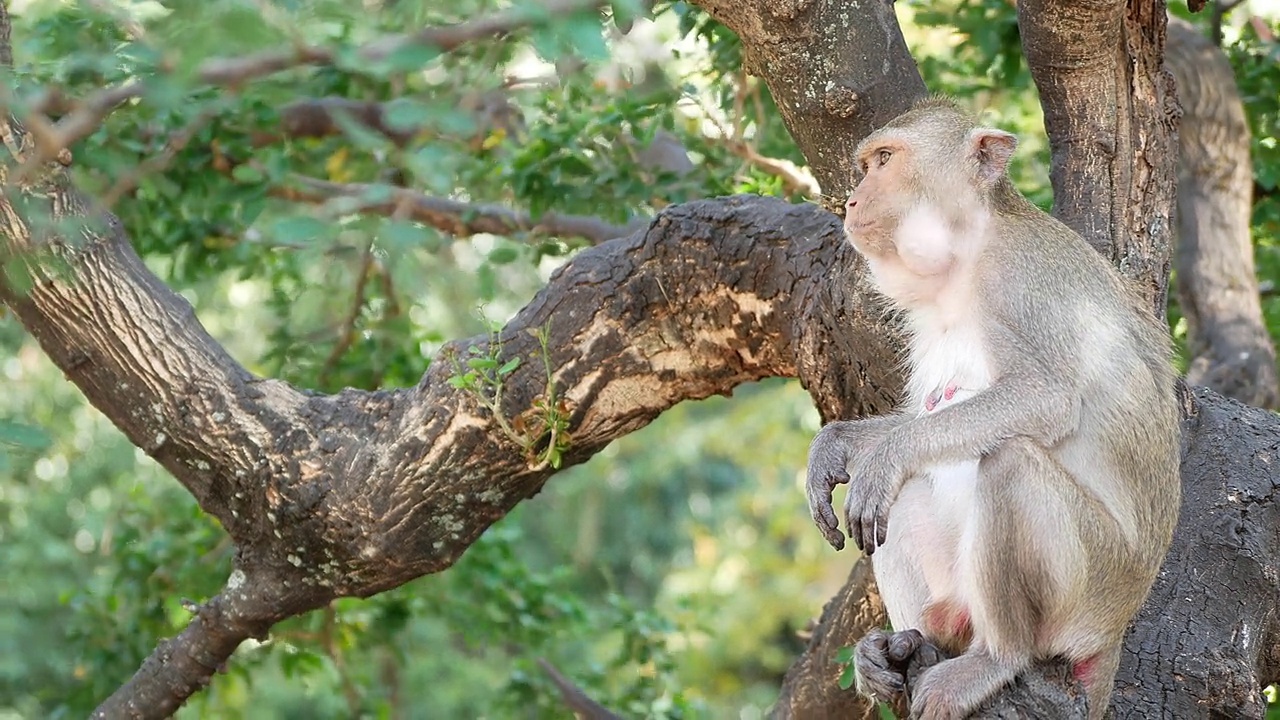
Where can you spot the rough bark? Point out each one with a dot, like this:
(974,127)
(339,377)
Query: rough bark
(359,492)
(355,493)
(837,70)
(1204,644)
(1230,348)
(1110,113)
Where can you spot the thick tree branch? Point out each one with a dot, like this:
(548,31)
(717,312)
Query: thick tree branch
(184,665)
(837,71)
(359,492)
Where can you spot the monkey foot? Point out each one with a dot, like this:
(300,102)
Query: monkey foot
(938,396)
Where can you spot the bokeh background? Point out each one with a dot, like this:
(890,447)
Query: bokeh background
(672,576)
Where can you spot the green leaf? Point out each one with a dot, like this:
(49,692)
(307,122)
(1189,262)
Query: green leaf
(503,255)
(248,174)
(510,366)
(409,57)
(23,436)
(403,235)
(587,38)
(298,229)
(844,655)
(846,678)
(406,115)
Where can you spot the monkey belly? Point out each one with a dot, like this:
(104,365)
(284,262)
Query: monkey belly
(918,563)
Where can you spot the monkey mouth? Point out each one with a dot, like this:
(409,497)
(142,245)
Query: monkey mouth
(859,229)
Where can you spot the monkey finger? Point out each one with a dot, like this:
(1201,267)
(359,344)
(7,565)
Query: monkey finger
(870,529)
(824,515)
(820,506)
(902,645)
(834,537)
(882,525)
(825,518)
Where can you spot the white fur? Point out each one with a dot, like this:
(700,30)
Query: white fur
(925,244)
(932,260)
(930,279)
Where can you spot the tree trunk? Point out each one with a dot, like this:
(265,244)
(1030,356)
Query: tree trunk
(358,492)
(1231,350)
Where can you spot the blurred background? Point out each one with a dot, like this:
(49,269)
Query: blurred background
(674,575)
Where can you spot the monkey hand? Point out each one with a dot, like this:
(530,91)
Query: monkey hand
(875,483)
(828,460)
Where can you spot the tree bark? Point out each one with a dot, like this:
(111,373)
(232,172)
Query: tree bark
(1110,113)
(837,70)
(355,493)
(1230,347)
(359,492)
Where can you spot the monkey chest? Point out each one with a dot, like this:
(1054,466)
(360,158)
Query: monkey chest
(947,363)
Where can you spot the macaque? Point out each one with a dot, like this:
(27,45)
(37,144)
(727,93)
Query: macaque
(1020,502)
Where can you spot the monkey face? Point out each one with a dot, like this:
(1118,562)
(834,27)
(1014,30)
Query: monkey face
(881,197)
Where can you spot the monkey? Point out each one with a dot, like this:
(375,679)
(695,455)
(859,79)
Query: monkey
(1019,502)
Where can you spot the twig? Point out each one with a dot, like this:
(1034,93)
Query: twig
(347,334)
(233,72)
(794,178)
(159,161)
(577,700)
(457,218)
(1219,12)
(330,643)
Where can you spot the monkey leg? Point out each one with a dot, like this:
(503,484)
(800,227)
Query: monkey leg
(1021,562)
(881,658)
(1098,673)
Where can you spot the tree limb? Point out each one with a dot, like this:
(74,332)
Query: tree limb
(1110,112)
(455,217)
(827,106)
(235,71)
(577,700)
(359,492)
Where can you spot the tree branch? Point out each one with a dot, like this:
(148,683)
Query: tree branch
(827,106)
(359,492)
(457,218)
(577,700)
(236,71)
(184,665)
(1231,350)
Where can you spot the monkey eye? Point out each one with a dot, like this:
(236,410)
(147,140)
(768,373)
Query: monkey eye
(883,157)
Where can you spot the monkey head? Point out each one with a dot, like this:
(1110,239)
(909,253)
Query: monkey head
(925,183)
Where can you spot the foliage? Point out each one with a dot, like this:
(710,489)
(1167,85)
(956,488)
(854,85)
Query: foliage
(484,374)
(670,576)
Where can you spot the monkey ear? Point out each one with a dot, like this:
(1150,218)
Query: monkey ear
(992,149)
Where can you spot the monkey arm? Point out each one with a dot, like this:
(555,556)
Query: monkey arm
(1026,401)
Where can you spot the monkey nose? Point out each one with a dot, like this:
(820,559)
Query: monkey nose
(851,204)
